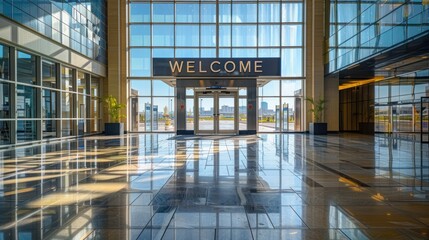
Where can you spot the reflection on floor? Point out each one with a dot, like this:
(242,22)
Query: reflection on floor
(274,186)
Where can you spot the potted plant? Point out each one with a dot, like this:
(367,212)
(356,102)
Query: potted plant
(318,127)
(114,109)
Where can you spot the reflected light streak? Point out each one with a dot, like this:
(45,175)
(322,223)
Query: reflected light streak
(30,179)
(16,192)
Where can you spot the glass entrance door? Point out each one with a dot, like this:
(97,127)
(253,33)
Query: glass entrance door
(216,112)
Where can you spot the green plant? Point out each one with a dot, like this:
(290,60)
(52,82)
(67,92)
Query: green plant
(318,108)
(114,108)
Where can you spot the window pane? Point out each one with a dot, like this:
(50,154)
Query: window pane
(139,12)
(49,75)
(292,12)
(160,88)
(5,132)
(208,13)
(4,62)
(189,114)
(26,130)
(243,12)
(67,105)
(140,35)
(208,35)
(140,62)
(187,52)
(66,79)
(242,112)
(244,52)
(67,128)
(163,52)
(163,114)
(187,35)
(292,35)
(225,35)
(225,13)
(81,82)
(26,68)
(186,12)
(5,100)
(244,36)
(291,62)
(49,128)
(271,88)
(269,114)
(140,88)
(208,52)
(269,12)
(162,35)
(269,35)
(95,108)
(163,12)
(49,103)
(95,86)
(25,102)
(81,106)
(292,88)
(140,114)
(269,52)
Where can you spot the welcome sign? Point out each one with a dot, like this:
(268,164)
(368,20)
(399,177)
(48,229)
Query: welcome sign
(216,67)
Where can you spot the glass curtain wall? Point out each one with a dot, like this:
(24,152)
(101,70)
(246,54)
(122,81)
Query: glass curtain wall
(46,100)
(390,105)
(359,29)
(188,29)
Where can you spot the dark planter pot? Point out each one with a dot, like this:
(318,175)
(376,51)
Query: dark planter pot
(114,128)
(318,128)
(366,128)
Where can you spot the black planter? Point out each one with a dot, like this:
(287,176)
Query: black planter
(114,128)
(318,128)
(366,128)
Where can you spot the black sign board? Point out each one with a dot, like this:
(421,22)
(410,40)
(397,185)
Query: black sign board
(216,67)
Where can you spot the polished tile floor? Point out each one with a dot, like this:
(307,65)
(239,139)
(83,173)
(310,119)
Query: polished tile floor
(273,186)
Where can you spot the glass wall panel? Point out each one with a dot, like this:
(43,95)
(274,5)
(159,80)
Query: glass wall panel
(67,104)
(269,35)
(190,114)
(4,62)
(225,35)
(208,13)
(140,62)
(95,86)
(25,102)
(5,134)
(82,80)
(187,35)
(67,128)
(292,35)
(269,114)
(187,52)
(244,35)
(187,12)
(94,108)
(26,68)
(225,13)
(5,100)
(163,114)
(160,88)
(292,88)
(244,12)
(26,130)
(244,52)
(49,101)
(67,79)
(208,35)
(269,12)
(49,75)
(242,114)
(208,52)
(162,35)
(163,12)
(81,104)
(140,88)
(139,12)
(163,52)
(140,35)
(268,52)
(291,110)
(140,114)
(292,62)
(49,128)
(272,88)
(292,12)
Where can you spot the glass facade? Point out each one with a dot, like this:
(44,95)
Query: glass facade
(79,25)
(46,100)
(213,29)
(361,29)
(392,105)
